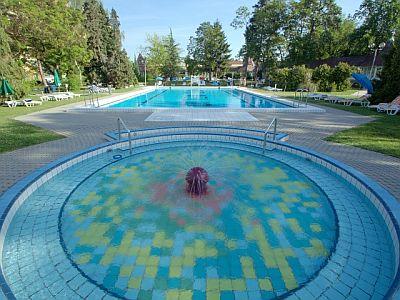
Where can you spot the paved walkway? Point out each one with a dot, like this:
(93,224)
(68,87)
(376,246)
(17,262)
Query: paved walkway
(83,129)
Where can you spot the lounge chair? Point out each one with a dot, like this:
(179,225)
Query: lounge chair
(316,96)
(59,97)
(393,109)
(383,107)
(45,98)
(363,101)
(334,99)
(30,102)
(11,103)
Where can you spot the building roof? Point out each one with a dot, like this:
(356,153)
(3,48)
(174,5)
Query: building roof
(238,66)
(357,61)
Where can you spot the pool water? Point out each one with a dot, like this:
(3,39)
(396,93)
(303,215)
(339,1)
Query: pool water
(261,224)
(121,226)
(198,98)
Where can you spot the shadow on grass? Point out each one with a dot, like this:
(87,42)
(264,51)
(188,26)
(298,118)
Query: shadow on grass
(15,134)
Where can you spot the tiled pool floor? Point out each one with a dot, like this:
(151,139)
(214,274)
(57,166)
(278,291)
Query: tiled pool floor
(200,115)
(37,266)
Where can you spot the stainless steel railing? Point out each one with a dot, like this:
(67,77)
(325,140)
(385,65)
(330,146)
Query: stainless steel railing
(130,133)
(267,133)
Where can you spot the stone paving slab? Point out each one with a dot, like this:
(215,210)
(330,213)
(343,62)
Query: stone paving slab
(86,128)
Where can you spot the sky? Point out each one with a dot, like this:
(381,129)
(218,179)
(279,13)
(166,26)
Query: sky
(141,17)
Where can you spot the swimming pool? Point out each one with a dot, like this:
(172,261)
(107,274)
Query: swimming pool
(105,223)
(199,98)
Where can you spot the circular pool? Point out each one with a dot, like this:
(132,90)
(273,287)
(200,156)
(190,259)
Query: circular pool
(261,226)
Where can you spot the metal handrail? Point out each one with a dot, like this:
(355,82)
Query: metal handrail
(274,123)
(121,122)
(91,100)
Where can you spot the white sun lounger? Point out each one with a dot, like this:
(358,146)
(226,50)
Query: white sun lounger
(393,109)
(11,103)
(383,107)
(30,102)
(348,102)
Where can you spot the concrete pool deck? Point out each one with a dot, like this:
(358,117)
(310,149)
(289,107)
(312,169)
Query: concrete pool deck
(86,128)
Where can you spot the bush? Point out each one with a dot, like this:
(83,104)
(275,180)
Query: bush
(74,82)
(280,77)
(299,77)
(341,76)
(322,76)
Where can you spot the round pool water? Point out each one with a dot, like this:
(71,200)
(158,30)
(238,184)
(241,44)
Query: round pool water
(197,220)
(260,222)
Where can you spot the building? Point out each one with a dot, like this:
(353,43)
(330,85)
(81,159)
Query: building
(237,66)
(363,63)
(141,63)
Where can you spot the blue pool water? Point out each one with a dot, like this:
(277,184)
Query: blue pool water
(198,98)
(127,228)
(133,224)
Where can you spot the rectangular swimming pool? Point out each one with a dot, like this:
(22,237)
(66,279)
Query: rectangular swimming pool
(198,98)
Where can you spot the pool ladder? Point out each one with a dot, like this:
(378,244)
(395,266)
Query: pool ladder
(267,134)
(130,133)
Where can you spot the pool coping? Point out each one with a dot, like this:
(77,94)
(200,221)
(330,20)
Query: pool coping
(105,102)
(384,202)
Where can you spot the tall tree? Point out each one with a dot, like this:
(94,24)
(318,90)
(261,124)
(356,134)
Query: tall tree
(162,55)
(240,21)
(265,33)
(209,50)
(311,28)
(49,31)
(156,54)
(12,68)
(97,30)
(389,87)
(171,65)
(380,19)
(110,63)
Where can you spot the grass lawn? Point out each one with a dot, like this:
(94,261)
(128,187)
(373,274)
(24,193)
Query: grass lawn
(15,134)
(381,135)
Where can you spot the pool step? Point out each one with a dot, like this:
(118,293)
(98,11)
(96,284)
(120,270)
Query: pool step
(198,130)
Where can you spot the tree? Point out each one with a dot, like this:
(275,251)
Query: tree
(242,20)
(171,66)
(110,63)
(389,87)
(157,55)
(10,68)
(96,27)
(380,19)
(311,30)
(49,33)
(265,35)
(208,50)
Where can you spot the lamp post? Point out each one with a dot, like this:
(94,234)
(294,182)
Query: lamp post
(380,48)
(145,72)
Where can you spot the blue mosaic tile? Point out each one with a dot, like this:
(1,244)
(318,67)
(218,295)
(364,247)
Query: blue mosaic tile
(105,268)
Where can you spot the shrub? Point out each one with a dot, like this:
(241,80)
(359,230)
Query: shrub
(280,77)
(74,82)
(299,77)
(341,76)
(322,76)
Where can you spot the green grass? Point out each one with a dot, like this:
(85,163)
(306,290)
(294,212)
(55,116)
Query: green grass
(15,134)
(381,135)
